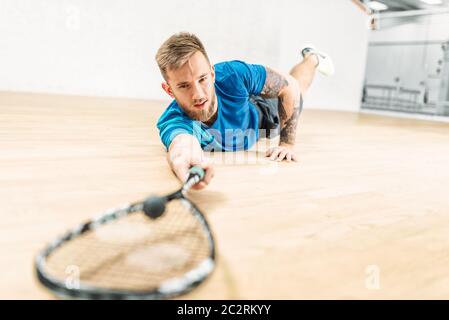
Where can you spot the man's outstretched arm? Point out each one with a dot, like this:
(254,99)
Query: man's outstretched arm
(184,152)
(286,89)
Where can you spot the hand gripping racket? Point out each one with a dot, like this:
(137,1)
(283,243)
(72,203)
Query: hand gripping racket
(154,249)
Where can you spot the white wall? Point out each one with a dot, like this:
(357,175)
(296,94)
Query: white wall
(107,47)
(339,28)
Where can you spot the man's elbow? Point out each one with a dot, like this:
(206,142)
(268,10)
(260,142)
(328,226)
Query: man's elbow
(291,90)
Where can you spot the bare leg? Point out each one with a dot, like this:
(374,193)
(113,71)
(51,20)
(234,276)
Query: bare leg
(304,72)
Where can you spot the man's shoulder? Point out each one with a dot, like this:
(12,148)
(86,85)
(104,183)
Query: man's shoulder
(173,108)
(238,70)
(228,79)
(228,67)
(173,111)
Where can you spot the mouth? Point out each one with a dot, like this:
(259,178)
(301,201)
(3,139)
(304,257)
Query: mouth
(200,105)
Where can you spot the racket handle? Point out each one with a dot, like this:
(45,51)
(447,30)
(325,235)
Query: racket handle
(198,171)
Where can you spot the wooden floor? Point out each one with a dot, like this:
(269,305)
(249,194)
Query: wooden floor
(364,214)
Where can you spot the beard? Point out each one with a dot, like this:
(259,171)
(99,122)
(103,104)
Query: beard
(203,114)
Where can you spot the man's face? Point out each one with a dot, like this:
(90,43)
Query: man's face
(192,86)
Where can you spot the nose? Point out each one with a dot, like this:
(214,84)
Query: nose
(198,94)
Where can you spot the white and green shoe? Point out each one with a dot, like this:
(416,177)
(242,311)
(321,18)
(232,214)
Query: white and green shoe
(325,65)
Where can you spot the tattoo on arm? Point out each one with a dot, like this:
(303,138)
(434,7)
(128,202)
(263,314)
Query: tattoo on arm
(274,83)
(288,125)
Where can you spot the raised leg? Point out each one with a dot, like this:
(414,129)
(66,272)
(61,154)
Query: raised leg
(304,72)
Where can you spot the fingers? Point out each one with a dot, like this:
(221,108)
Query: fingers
(275,153)
(199,186)
(268,152)
(181,167)
(281,153)
(210,172)
(294,157)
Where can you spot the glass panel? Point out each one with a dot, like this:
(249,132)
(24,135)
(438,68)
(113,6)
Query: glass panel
(410,76)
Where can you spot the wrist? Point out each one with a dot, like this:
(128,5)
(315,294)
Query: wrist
(286,144)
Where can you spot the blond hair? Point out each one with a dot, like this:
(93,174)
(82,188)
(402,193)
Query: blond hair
(176,50)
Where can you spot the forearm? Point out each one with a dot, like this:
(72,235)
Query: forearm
(289,107)
(286,89)
(181,145)
(183,151)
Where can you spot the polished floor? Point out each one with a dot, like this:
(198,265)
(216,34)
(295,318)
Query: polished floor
(364,214)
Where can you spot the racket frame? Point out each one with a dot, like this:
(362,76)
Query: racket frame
(168,289)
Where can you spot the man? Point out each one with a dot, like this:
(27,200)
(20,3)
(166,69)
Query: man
(228,106)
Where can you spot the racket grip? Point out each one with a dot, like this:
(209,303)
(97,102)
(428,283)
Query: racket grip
(198,171)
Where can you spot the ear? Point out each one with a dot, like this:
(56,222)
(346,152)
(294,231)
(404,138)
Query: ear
(212,70)
(167,89)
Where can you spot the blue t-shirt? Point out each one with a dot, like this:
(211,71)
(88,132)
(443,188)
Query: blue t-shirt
(236,126)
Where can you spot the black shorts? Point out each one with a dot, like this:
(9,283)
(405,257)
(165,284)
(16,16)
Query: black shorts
(269,121)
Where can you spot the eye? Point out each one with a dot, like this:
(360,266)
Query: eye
(203,79)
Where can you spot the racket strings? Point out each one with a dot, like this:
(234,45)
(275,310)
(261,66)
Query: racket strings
(134,252)
(113,264)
